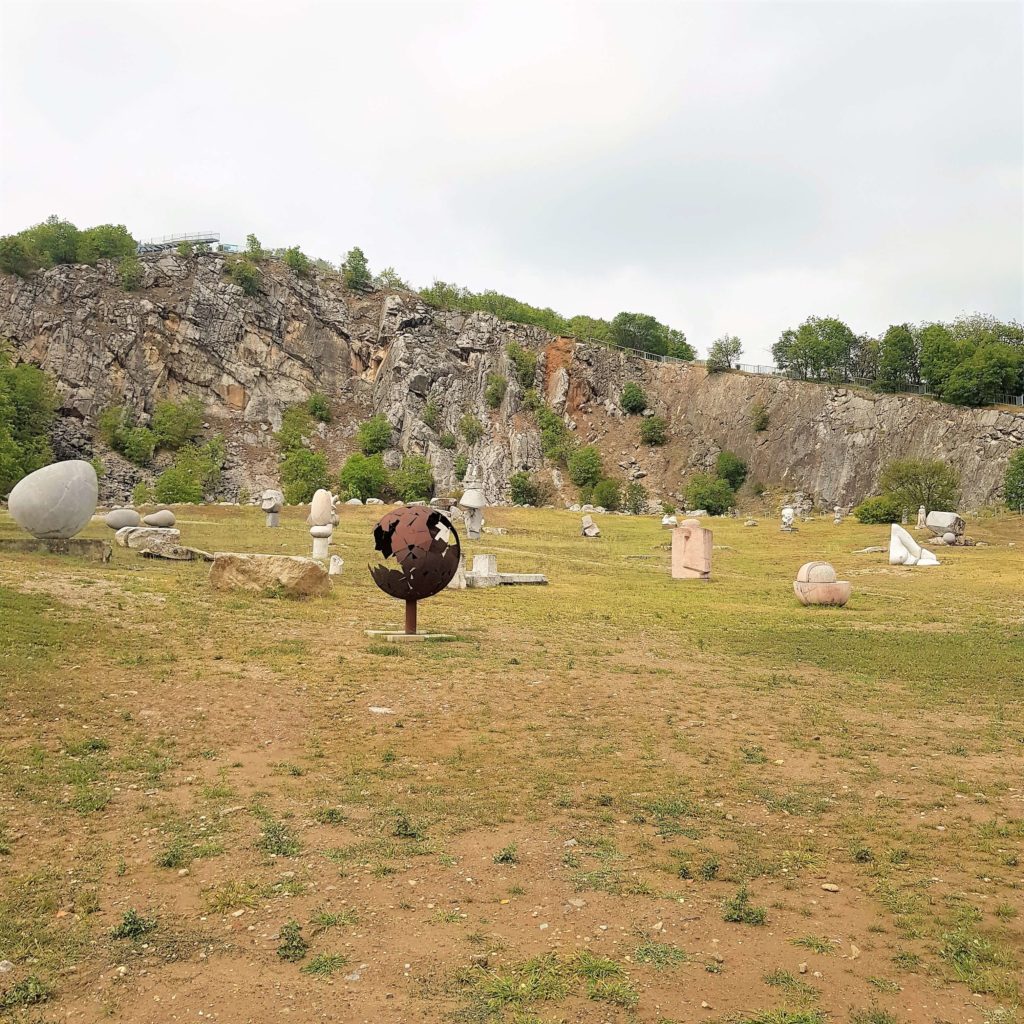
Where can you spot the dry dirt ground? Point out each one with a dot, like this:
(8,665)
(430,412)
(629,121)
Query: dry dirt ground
(616,798)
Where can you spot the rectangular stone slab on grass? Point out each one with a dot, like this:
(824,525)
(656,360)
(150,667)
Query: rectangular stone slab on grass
(93,550)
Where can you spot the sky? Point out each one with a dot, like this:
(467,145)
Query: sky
(728,167)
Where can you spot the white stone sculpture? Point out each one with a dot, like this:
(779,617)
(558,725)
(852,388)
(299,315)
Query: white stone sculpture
(162,519)
(837,515)
(272,501)
(321,509)
(904,550)
(922,515)
(941,523)
(57,501)
(816,583)
(337,566)
(788,518)
(669,521)
(119,518)
(590,528)
(473,503)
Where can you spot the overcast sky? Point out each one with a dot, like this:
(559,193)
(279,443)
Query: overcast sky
(727,167)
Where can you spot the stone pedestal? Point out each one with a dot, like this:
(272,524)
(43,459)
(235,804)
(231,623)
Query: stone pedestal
(93,550)
(273,519)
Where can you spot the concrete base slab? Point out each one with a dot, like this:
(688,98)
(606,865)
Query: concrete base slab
(522,579)
(93,550)
(396,636)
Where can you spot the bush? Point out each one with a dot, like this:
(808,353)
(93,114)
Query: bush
(296,423)
(524,490)
(319,408)
(374,435)
(303,473)
(1013,490)
(494,393)
(174,424)
(759,417)
(723,353)
(355,271)
(585,467)
(635,498)
(28,404)
(633,398)
(732,469)
(448,441)
(253,250)
(244,273)
(431,414)
(878,510)
(606,493)
(177,484)
(111,423)
(654,431)
(524,361)
(59,241)
(195,472)
(531,400)
(363,476)
(915,482)
(709,493)
(137,445)
(185,249)
(130,272)
(472,429)
(296,261)
(414,481)
(142,494)
(461,465)
(556,440)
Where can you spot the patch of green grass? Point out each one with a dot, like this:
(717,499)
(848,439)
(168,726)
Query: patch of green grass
(385,650)
(233,894)
(276,839)
(133,925)
(31,991)
(979,963)
(593,968)
(816,944)
(507,855)
(613,991)
(405,829)
(659,955)
(293,947)
(874,1015)
(884,984)
(323,965)
(323,919)
(786,1017)
(739,910)
(790,983)
(708,870)
(330,816)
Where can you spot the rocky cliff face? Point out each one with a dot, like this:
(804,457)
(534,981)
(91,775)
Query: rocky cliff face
(189,331)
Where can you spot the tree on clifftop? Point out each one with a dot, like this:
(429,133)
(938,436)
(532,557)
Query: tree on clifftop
(355,271)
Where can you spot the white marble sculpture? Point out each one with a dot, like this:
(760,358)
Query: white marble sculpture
(321,540)
(838,515)
(904,550)
(473,503)
(321,509)
(57,501)
(788,518)
(922,516)
(272,501)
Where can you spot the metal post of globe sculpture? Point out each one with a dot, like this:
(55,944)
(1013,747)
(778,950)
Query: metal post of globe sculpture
(420,554)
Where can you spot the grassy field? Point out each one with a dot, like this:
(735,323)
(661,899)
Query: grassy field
(616,798)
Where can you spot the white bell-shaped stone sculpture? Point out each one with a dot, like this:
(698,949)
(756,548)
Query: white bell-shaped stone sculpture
(271,501)
(904,550)
(473,503)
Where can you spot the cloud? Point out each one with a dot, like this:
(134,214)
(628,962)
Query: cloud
(725,166)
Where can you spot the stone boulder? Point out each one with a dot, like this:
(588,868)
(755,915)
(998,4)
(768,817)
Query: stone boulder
(57,501)
(164,518)
(941,523)
(119,518)
(289,575)
(136,537)
(590,528)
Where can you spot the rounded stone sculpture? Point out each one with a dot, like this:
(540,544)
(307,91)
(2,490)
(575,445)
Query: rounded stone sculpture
(271,500)
(119,518)
(57,501)
(419,551)
(321,509)
(816,584)
(904,550)
(164,519)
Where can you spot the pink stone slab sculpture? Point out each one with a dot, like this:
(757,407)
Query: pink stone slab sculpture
(691,551)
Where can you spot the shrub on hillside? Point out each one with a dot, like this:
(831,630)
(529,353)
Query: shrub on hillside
(142,494)
(759,417)
(585,467)
(177,485)
(431,414)
(28,404)
(494,393)
(448,441)
(414,480)
(296,424)
(355,271)
(196,471)
(709,493)
(633,398)
(654,431)
(1013,490)
(635,498)
(363,476)
(174,424)
(303,473)
(882,509)
(731,468)
(556,440)
(607,494)
(915,482)
(524,361)
(130,272)
(244,273)
(137,445)
(472,429)
(461,465)
(525,490)
(319,408)
(374,435)
(296,261)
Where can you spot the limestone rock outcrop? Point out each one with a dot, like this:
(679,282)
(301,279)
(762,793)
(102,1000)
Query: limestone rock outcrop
(289,575)
(189,331)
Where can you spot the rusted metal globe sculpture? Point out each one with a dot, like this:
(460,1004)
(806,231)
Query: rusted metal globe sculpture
(420,553)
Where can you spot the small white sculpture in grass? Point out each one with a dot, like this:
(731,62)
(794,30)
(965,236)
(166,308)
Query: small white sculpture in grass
(904,550)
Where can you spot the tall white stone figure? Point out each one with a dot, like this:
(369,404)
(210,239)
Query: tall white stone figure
(904,550)
(473,503)
(271,502)
(321,509)
(922,515)
(788,518)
